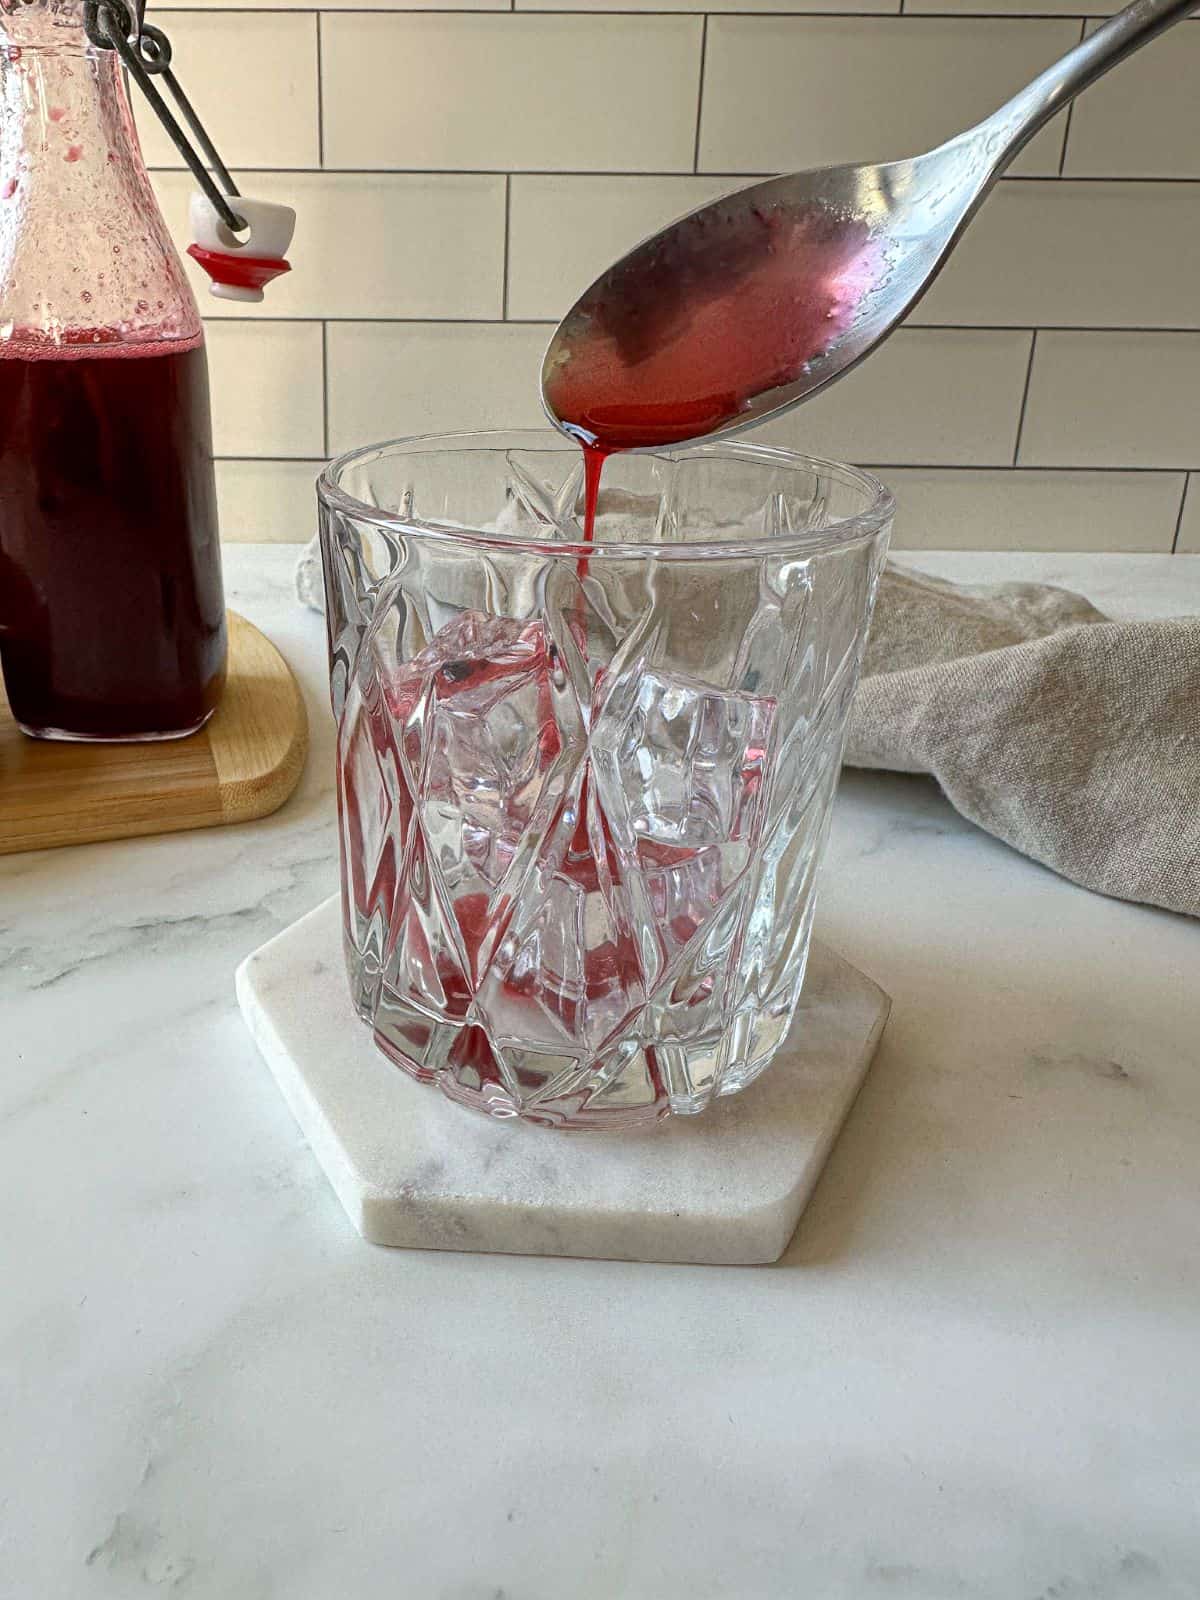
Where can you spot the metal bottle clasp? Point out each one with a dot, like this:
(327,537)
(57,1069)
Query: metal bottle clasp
(146,53)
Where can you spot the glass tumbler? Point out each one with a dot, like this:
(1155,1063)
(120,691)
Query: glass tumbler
(584,788)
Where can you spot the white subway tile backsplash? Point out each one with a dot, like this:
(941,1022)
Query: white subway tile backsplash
(388,379)
(461,172)
(565,230)
(267,386)
(582,93)
(1114,400)
(786,93)
(1189,525)
(253,81)
(974,509)
(1143,119)
(371,244)
(928,397)
(1101,255)
(271,501)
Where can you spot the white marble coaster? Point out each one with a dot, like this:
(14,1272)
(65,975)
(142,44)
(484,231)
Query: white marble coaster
(412,1168)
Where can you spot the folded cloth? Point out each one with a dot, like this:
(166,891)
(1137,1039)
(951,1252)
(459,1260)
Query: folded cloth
(1073,738)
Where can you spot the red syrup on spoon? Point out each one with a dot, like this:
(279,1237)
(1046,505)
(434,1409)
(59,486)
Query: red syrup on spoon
(676,341)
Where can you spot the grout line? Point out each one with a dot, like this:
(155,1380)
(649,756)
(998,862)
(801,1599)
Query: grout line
(948,13)
(1062,154)
(867,466)
(407,322)
(304,460)
(1183,498)
(1078,15)
(1024,397)
(549,321)
(1044,327)
(739,179)
(320,98)
(736,179)
(507,238)
(1025,466)
(700,93)
(325,388)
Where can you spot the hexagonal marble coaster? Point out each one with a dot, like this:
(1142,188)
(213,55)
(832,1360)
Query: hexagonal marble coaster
(412,1168)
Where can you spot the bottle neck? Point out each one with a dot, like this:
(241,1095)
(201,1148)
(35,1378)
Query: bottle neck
(84,252)
(59,82)
(43,25)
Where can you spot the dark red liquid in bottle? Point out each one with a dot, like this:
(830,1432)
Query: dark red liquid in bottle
(112,620)
(679,339)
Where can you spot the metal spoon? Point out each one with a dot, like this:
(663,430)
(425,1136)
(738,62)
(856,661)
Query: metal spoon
(751,304)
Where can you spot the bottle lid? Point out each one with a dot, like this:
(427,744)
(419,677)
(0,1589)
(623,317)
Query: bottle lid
(241,265)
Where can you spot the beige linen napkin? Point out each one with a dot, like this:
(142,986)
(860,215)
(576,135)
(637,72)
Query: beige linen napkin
(1074,739)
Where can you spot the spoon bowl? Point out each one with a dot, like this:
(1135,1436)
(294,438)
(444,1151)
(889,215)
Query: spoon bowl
(754,302)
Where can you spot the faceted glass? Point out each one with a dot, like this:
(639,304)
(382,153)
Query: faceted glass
(584,788)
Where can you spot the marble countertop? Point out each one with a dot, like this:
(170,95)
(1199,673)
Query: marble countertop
(975,1372)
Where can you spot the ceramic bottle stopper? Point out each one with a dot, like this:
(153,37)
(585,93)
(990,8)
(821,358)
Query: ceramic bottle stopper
(240,266)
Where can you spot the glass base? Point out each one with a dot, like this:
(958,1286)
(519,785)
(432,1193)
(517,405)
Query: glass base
(649,1098)
(66,736)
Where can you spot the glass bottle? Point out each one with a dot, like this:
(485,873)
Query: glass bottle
(112,619)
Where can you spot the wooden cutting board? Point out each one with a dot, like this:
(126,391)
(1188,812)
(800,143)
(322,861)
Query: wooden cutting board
(244,763)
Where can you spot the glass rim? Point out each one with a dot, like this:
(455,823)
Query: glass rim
(844,531)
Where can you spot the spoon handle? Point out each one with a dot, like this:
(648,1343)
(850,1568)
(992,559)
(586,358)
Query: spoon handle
(1010,129)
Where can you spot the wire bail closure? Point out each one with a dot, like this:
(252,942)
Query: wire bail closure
(146,53)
